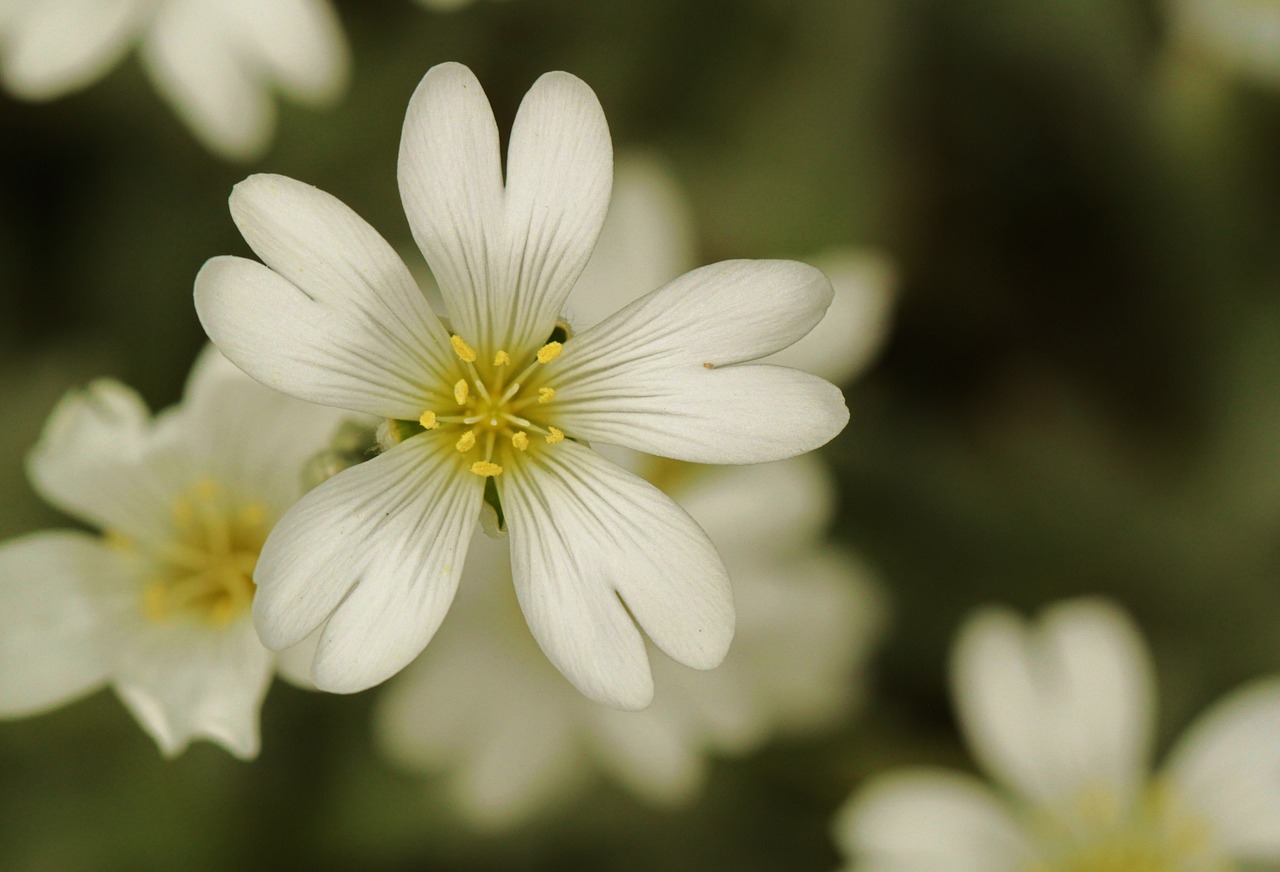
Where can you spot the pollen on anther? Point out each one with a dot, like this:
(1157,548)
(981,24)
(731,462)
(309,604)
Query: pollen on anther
(461,391)
(466,441)
(206,489)
(549,352)
(554,435)
(428,420)
(486,468)
(520,440)
(502,359)
(546,395)
(252,514)
(462,349)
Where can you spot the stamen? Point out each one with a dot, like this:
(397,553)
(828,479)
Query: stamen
(520,440)
(462,349)
(461,391)
(517,420)
(206,489)
(117,541)
(428,420)
(252,514)
(510,392)
(549,352)
(502,359)
(486,468)
(466,441)
(546,395)
(554,435)
(155,602)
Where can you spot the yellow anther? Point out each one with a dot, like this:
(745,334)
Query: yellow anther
(206,489)
(486,468)
(520,440)
(462,349)
(461,391)
(467,441)
(502,359)
(546,395)
(118,541)
(549,352)
(155,602)
(252,515)
(223,610)
(428,420)
(554,435)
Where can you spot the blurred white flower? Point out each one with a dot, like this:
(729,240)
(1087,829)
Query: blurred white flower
(216,61)
(158,606)
(482,707)
(495,409)
(1241,35)
(1061,714)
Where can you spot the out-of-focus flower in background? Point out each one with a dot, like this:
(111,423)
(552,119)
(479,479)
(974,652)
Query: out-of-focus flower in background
(1061,714)
(482,708)
(498,413)
(217,62)
(158,605)
(1243,36)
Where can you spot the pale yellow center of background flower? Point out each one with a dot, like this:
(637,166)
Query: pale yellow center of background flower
(205,569)
(1098,833)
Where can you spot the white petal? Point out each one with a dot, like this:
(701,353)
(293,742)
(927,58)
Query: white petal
(760,511)
(583,534)
(376,551)
(559,175)
(298,345)
(194,64)
(647,240)
(653,754)
(451,185)
(90,461)
(660,376)
(856,325)
(52,47)
(1228,768)
(58,595)
(806,629)
(247,437)
(1051,708)
(293,664)
(186,681)
(504,259)
(929,821)
(299,43)
(482,707)
(1243,35)
(337,259)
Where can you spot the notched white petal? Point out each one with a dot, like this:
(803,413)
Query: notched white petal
(374,554)
(583,534)
(59,595)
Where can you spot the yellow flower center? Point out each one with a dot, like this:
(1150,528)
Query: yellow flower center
(1098,833)
(205,570)
(496,406)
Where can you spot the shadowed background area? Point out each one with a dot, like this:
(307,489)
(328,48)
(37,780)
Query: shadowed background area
(1080,392)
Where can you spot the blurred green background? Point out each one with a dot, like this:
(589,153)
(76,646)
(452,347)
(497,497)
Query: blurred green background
(1081,392)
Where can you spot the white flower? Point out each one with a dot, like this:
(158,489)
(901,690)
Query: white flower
(1061,714)
(484,709)
(1242,35)
(215,61)
(158,606)
(503,400)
